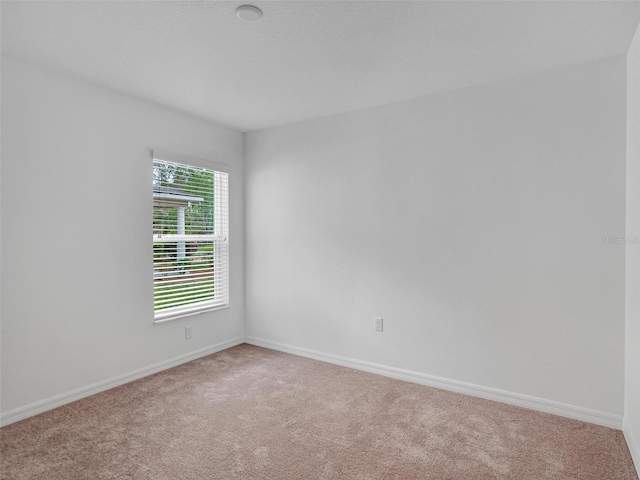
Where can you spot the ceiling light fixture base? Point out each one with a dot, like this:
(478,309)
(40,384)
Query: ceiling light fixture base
(249,13)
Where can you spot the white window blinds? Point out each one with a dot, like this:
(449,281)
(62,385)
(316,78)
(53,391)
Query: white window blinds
(190,239)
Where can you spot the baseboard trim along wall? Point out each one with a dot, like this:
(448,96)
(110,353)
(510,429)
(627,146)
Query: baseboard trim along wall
(634,446)
(519,400)
(534,403)
(30,410)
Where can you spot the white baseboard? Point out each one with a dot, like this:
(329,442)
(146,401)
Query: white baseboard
(50,403)
(534,403)
(517,399)
(634,446)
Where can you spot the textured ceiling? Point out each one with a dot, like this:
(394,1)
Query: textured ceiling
(307,59)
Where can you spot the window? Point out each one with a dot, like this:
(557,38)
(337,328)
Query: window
(190,238)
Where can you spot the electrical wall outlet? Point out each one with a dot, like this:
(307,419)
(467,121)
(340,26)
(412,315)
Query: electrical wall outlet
(187,333)
(377,324)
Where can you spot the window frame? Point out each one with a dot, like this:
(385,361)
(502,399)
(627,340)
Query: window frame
(181,311)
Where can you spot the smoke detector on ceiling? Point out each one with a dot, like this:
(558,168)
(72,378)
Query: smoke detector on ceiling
(248,13)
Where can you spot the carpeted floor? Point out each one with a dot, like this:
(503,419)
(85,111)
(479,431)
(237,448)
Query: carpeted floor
(252,413)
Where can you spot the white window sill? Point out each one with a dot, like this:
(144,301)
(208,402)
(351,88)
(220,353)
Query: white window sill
(186,313)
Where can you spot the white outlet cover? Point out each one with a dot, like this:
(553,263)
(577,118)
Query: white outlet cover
(377,324)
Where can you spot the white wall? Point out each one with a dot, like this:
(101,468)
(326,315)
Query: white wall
(76,228)
(632,337)
(472,221)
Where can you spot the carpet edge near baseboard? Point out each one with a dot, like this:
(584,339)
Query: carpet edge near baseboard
(534,403)
(56,401)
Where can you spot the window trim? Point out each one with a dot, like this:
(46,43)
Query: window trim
(187,313)
(187,160)
(193,309)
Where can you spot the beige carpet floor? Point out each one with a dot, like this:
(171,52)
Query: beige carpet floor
(252,413)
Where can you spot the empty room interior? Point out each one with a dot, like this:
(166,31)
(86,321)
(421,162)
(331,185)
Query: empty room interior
(320,240)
